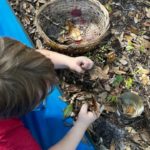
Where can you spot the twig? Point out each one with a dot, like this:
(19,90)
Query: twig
(54,23)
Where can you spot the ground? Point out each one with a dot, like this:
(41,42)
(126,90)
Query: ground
(122,63)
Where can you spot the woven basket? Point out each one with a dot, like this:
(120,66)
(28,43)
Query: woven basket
(89,15)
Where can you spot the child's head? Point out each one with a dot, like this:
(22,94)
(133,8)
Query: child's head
(25,78)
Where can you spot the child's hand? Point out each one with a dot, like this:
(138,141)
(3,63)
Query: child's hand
(80,64)
(85,117)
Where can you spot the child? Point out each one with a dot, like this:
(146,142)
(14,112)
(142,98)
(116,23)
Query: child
(26,76)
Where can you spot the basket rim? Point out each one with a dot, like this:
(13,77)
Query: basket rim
(72,46)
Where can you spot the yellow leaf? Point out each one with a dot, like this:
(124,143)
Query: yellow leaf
(75,34)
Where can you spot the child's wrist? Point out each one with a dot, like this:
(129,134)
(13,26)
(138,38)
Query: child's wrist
(69,61)
(81,125)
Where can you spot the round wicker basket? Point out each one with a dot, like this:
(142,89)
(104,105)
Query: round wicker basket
(88,22)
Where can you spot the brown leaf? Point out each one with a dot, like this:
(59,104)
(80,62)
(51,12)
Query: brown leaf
(106,69)
(117,70)
(74,32)
(109,108)
(97,72)
(145,136)
(145,43)
(112,146)
(147,12)
(111,57)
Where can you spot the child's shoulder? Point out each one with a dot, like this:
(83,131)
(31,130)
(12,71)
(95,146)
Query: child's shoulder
(14,136)
(8,125)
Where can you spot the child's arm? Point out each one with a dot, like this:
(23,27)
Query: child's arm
(60,61)
(74,136)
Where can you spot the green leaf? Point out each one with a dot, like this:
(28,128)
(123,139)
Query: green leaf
(118,80)
(68,110)
(142,48)
(128,83)
(112,99)
(108,7)
(130,46)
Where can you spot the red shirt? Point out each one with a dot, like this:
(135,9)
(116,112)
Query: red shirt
(14,136)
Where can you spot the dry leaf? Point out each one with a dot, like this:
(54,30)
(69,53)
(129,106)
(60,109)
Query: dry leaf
(145,79)
(74,32)
(112,146)
(62,39)
(127,148)
(118,71)
(147,12)
(136,137)
(109,108)
(97,72)
(111,57)
(123,61)
(42,1)
(145,136)
(130,130)
(136,18)
(141,42)
(148,148)
(145,43)
(106,69)
(141,70)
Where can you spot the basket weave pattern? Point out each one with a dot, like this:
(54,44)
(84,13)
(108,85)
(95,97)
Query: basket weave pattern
(52,17)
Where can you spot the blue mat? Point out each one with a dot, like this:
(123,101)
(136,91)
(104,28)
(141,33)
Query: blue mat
(46,122)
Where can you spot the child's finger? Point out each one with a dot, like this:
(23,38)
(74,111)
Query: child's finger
(87,64)
(84,108)
(79,69)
